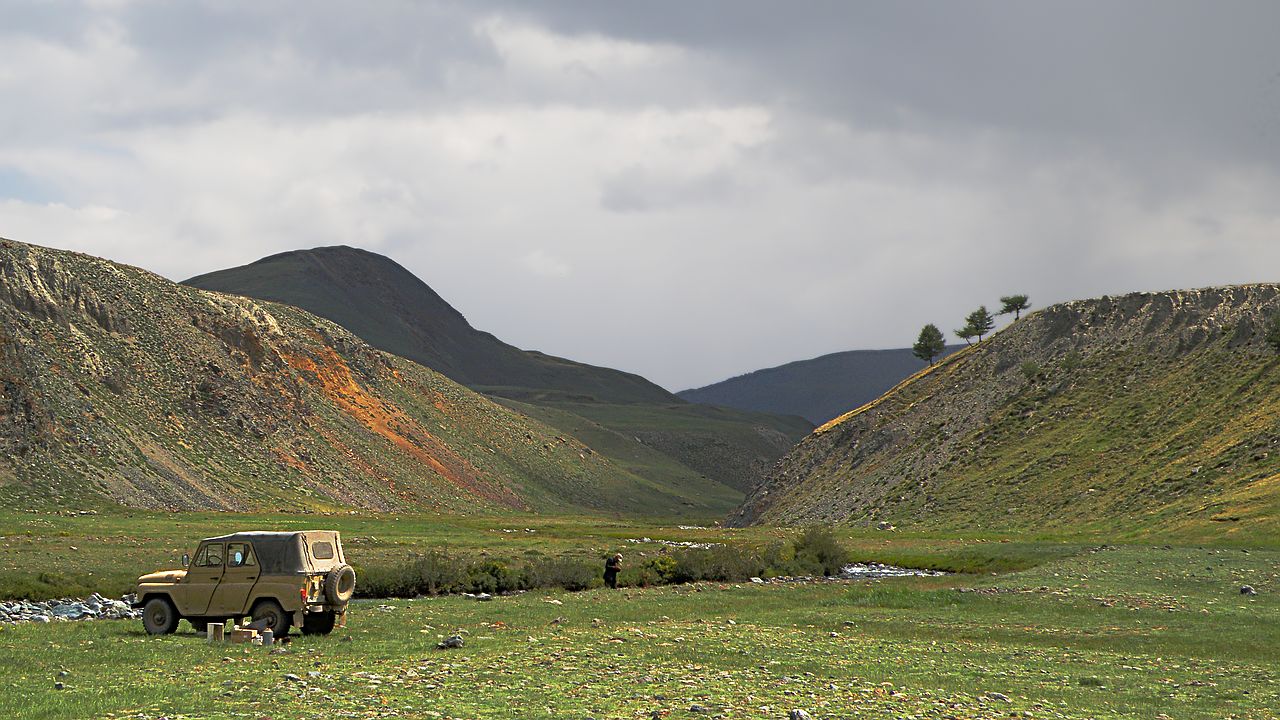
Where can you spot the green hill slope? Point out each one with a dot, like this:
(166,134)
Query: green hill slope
(817,389)
(376,298)
(117,385)
(1153,410)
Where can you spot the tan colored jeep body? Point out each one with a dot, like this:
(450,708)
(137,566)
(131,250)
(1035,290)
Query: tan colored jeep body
(281,579)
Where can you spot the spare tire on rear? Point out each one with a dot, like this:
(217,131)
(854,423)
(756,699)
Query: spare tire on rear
(340,584)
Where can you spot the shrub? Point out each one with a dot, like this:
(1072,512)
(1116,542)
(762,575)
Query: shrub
(566,573)
(438,573)
(1030,370)
(721,563)
(663,568)
(492,576)
(819,551)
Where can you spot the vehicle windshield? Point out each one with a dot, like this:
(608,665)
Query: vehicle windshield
(209,555)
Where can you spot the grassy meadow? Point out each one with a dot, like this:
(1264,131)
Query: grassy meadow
(1037,627)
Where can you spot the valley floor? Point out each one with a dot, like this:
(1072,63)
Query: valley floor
(1132,631)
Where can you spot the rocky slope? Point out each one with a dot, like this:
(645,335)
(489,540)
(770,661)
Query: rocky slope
(817,389)
(1147,410)
(118,385)
(637,424)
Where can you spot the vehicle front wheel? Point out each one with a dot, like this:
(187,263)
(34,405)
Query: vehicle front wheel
(318,623)
(159,616)
(268,615)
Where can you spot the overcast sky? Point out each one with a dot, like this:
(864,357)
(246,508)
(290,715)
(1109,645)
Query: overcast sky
(688,190)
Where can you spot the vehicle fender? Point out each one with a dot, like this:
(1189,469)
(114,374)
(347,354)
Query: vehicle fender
(144,597)
(284,593)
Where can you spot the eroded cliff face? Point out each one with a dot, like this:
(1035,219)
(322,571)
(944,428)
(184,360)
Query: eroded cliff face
(118,385)
(1150,407)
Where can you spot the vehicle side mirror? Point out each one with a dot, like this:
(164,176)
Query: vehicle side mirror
(186,559)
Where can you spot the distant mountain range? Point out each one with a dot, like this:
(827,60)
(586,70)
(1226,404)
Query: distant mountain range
(636,424)
(817,389)
(1132,413)
(117,385)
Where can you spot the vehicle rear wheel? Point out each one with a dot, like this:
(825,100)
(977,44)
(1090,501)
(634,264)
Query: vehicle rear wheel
(159,616)
(340,584)
(318,623)
(268,615)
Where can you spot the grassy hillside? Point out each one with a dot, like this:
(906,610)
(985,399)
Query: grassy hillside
(1121,414)
(117,385)
(685,445)
(818,389)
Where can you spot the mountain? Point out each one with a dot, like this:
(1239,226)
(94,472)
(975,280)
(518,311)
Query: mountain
(117,385)
(1150,410)
(817,389)
(393,310)
(636,424)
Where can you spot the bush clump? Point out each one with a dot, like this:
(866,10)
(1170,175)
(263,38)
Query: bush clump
(816,551)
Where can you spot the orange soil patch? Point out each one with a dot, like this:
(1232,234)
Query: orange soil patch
(289,460)
(328,372)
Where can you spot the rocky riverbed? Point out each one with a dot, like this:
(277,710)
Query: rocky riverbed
(94,607)
(857,571)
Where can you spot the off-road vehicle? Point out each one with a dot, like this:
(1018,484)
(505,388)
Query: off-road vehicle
(280,579)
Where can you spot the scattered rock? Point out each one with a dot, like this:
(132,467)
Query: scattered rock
(292,678)
(59,686)
(1247,590)
(449,643)
(997,696)
(696,708)
(95,607)
(799,715)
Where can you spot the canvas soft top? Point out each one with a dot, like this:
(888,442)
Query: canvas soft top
(289,552)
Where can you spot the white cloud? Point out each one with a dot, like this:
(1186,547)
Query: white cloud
(542,263)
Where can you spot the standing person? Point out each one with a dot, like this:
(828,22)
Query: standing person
(611,568)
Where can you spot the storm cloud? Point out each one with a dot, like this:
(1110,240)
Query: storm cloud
(684,190)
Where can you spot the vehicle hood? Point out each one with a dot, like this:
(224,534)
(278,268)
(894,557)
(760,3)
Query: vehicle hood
(163,576)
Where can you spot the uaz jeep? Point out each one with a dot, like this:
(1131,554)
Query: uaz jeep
(280,579)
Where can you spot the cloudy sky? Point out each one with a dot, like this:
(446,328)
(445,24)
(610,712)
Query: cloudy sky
(689,190)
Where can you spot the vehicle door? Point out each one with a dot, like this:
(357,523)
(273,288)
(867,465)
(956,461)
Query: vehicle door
(192,595)
(238,578)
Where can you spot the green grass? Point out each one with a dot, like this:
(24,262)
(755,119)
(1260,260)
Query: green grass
(1126,632)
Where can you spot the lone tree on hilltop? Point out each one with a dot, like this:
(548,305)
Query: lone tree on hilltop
(979,323)
(930,344)
(1014,304)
